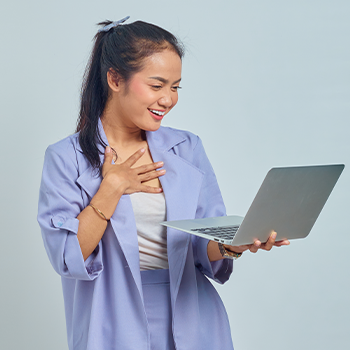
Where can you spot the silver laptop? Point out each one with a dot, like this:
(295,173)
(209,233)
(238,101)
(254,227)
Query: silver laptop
(288,202)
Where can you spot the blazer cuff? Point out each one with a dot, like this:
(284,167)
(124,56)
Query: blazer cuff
(72,255)
(220,270)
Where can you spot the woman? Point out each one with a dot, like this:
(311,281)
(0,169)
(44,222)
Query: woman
(127,282)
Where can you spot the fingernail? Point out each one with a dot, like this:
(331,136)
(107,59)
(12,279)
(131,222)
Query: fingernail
(108,149)
(162,171)
(160,189)
(160,163)
(142,150)
(257,244)
(273,235)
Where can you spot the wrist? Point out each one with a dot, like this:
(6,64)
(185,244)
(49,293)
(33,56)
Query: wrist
(229,248)
(227,253)
(106,200)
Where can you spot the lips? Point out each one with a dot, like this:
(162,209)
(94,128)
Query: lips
(157,114)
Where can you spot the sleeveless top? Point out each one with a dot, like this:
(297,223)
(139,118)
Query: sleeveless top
(150,210)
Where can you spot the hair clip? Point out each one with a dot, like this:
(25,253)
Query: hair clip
(113,25)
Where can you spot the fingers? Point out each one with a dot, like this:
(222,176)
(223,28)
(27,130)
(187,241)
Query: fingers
(255,246)
(270,242)
(151,175)
(143,169)
(147,171)
(266,246)
(282,243)
(108,156)
(107,161)
(135,157)
(150,189)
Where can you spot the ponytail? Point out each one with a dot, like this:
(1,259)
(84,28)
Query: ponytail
(93,101)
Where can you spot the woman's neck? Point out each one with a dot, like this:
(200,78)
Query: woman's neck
(119,134)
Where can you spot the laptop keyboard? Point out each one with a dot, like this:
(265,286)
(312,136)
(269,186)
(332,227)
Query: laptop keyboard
(226,232)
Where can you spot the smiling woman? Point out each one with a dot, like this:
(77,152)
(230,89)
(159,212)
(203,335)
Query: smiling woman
(129,283)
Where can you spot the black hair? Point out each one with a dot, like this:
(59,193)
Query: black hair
(122,50)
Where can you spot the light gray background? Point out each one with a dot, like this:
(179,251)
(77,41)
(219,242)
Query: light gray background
(265,83)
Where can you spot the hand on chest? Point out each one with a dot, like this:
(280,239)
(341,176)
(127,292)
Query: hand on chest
(122,154)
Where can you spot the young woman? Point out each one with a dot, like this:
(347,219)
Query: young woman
(129,283)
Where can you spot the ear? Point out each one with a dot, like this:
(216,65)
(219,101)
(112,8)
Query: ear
(113,80)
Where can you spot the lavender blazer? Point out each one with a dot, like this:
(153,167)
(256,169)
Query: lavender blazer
(103,295)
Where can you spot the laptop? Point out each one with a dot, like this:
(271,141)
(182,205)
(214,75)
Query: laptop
(289,201)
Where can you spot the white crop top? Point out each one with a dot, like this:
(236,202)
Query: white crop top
(150,210)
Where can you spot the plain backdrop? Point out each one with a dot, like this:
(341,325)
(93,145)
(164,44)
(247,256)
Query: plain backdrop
(265,83)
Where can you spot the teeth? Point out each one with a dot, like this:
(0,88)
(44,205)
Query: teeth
(157,112)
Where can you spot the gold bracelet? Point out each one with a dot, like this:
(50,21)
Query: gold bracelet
(99,212)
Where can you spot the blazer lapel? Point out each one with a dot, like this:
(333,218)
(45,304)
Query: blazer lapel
(181,185)
(122,221)
(123,224)
(89,181)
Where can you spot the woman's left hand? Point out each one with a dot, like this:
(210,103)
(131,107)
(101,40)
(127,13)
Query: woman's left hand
(271,242)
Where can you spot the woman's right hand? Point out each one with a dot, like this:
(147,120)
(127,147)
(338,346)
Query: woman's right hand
(118,179)
(130,179)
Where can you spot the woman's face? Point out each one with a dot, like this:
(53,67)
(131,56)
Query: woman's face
(151,93)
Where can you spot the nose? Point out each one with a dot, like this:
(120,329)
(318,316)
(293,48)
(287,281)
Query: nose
(166,100)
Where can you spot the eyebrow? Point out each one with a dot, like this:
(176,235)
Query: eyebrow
(165,81)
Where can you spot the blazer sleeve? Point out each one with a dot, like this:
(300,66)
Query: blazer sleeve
(210,204)
(60,202)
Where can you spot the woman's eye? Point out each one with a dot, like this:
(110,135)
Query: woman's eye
(156,86)
(176,88)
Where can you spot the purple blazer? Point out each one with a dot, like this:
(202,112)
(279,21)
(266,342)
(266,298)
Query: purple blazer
(103,295)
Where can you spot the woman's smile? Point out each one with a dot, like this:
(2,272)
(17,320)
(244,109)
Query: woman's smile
(144,100)
(157,114)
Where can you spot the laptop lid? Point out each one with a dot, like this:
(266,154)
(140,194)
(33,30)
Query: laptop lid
(289,201)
